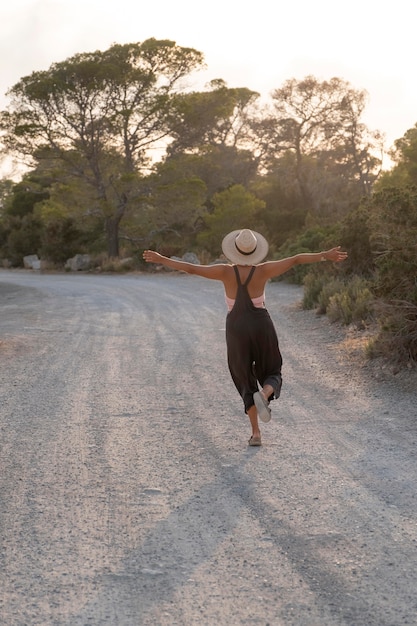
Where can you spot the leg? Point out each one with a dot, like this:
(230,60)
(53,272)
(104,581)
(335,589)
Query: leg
(253,417)
(255,439)
(268,360)
(240,364)
(261,400)
(267,391)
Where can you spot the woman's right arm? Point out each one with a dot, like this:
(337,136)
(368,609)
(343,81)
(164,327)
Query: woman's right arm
(215,272)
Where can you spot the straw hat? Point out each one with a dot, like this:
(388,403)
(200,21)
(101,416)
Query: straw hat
(245,247)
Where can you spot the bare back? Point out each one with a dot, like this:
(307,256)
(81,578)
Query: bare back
(256,285)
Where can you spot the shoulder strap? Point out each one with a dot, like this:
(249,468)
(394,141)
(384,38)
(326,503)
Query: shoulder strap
(237,275)
(239,282)
(250,275)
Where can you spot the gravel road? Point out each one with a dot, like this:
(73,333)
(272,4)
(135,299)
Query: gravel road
(129,496)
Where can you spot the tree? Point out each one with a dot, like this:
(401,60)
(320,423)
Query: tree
(319,123)
(100,113)
(284,214)
(219,116)
(25,195)
(355,236)
(393,236)
(21,228)
(60,240)
(393,225)
(218,166)
(6,188)
(21,236)
(404,155)
(233,208)
(171,208)
(213,135)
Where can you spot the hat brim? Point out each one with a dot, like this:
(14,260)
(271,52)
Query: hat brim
(232,253)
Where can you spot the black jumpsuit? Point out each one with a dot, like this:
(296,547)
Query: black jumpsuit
(252,346)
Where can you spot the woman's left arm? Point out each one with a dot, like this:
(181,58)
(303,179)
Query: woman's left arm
(276,268)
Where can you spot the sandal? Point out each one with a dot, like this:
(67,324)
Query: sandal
(262,406)
(255,441)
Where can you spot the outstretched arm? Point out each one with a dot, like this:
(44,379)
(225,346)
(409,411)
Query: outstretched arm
(216,272)
(276,268)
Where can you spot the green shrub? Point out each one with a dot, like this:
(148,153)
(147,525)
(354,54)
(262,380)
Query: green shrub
(313,285)
(397,336)
(355,238)
(313,239)
(24,238)
(347,301)
(393,238)
(103,263)
(353,303)
(60,240)
(330,290)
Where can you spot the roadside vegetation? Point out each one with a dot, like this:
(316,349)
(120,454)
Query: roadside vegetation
(115,155)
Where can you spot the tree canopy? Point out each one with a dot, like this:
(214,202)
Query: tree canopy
(100,113)
(318,122)
(127,147)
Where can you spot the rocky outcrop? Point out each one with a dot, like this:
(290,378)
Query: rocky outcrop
(78,263)
(31,262)
(190,257)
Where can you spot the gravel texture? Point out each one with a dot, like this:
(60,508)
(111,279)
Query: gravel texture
(129,496)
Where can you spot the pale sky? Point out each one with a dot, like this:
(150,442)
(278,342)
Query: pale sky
(254,44)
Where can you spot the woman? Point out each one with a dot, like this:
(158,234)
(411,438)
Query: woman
(252,345)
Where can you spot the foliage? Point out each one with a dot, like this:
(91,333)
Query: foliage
(397,338)
(216,117)
(404,155)
(119,266)
(91,123)
(393,222)
(352,304)
(21,229)
(24,196)
(218,166)
(393,235)
(355,236)
(99,113)
(344,300)
(234,208)
(313,239)
(23,237)
(61,240)
(171,209)
(284,214)
(330,288)
(319,123)
(313,283)
(381,238)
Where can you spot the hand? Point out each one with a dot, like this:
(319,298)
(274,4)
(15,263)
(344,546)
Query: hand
(335,255)
(152,257)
